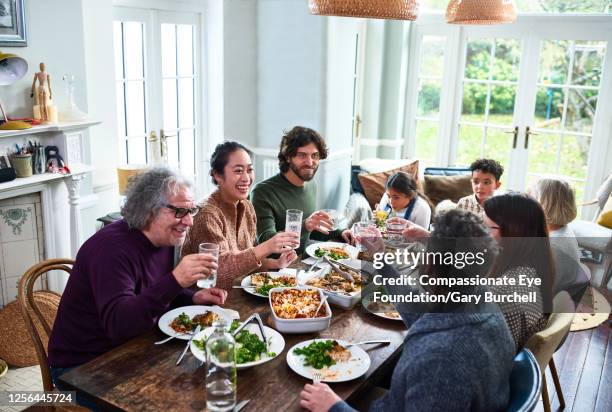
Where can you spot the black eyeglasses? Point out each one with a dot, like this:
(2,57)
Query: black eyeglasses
(181,212)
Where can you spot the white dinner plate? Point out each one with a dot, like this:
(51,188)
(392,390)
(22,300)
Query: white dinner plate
(391,314)
(166,319)
(351,250)
(276,344)
(356,366)
(246,281)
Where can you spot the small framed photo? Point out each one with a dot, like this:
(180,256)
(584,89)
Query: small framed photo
(12,23)
(5,163)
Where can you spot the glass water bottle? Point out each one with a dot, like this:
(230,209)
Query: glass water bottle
(221,379)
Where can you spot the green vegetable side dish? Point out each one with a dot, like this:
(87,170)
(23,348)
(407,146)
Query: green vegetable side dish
(184,319)
(265,289)
(249,347)
(320,252)
(316,354)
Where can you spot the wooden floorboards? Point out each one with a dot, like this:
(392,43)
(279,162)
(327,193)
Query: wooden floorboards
(584,364)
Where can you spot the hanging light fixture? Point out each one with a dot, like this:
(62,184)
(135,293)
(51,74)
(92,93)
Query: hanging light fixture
(480,12)
(377,9)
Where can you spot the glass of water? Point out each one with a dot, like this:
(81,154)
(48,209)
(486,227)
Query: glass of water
(293,221)
(394,231)
(359,229)
(333,214)
(211,279)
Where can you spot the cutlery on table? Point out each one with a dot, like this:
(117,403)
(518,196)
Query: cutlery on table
(244,287)
(195,332)
(241,405)
(320,304)
(314,264)
(160,342)
(338,269)
(317,377)
(367,342)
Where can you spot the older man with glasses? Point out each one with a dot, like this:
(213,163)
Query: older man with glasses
(125,276)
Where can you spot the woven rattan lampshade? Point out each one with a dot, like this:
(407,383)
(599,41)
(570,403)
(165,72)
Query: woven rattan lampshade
(480,12)
(377,9)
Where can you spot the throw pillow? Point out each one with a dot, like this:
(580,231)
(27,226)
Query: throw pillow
(374,183)
(439,188)
(605,217)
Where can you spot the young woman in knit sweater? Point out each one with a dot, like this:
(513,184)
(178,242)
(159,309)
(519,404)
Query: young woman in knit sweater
(228,219)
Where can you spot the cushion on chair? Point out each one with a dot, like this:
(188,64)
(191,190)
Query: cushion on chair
(605,217)
(373,184)
(439,188)
(592,236)
(525,383)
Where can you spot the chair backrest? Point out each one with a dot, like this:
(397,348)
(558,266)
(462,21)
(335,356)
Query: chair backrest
(544,343)
(32,314)
(525,383)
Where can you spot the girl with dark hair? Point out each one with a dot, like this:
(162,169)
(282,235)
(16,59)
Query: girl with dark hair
(403,199)
(517,222)
(228,219)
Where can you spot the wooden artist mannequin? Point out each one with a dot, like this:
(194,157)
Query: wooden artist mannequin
(44,109)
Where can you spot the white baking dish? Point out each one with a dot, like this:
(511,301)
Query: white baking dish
(303,325)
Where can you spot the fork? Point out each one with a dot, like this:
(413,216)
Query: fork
(197,330)
(317,377)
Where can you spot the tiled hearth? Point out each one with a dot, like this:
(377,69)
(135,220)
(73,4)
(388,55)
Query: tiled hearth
(21,241)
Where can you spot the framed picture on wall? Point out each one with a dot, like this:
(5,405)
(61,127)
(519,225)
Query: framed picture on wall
(12,23)
(5,163)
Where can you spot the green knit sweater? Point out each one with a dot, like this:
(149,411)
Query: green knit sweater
(271,199)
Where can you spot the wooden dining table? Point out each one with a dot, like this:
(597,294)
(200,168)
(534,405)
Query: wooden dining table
(141,376)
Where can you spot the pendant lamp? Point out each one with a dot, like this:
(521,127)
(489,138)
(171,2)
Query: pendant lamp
(377,9)
(483,12)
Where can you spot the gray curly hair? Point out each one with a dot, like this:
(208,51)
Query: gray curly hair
(147,193)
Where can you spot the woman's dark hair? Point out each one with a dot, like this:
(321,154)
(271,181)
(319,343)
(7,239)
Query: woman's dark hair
(221,155)
(488,166)
(294,139)
(459,232)
(525,241)
(406,184)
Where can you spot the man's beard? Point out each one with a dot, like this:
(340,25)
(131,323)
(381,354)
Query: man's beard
(301,174)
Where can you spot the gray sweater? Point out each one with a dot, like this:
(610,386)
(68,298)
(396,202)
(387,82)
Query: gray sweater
(450,362)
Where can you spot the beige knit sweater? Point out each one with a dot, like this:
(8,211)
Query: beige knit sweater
(233,227)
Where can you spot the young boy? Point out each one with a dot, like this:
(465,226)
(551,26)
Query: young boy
(485,180)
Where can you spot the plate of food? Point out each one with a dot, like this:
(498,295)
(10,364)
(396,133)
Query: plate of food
(333,250)
(260,284)
(294,310)
(250,348)
(333,359)
(382,310)
(339,290)
(181,322)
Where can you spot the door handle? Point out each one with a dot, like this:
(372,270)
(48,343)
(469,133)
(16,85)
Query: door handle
(527,134)
(515,133)
(163,143)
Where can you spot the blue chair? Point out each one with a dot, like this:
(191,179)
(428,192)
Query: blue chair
(525,383)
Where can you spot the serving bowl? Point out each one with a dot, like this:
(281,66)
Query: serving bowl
(300,325)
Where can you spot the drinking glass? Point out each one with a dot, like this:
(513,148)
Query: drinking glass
(394,231)
(333,214)
(211,279)
(359,228)
(293,222)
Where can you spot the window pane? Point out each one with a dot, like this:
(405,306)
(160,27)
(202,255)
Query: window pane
(588,63)
(172,143)
(498,145)
(474,101)
(426,141)
(169,104)
(554,61)
(506,62)
(574,156)
(470,142)
(137,150)
(549,108)
(543,153)
(501,108)
(133,43)
(120,110)
(477,59)
(185,49)
(432,60)
(429,98)
(135,108)
(581,110)
(168,48)
(118,46)
(187,151)
(186,103)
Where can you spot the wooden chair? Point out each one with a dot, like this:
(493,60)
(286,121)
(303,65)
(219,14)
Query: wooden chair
(33,316)
(544,343)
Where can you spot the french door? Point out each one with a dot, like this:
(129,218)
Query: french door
(532,95)
(158,82)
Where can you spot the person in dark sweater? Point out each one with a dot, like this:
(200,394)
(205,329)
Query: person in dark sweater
(301,149)
(456,356)
(124,276)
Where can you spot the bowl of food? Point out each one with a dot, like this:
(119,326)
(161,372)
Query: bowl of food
(294,310)
(340,291)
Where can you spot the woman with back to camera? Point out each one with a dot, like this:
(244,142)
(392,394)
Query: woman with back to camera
(228,219)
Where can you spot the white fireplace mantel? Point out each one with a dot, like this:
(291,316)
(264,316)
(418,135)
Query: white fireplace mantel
(60,197)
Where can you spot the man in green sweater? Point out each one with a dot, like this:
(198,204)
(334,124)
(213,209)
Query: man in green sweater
(301,149)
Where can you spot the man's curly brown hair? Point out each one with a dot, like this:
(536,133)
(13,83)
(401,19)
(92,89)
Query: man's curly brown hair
(294,139)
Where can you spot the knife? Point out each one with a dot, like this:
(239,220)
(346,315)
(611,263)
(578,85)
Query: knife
(195,332)
(241,405)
